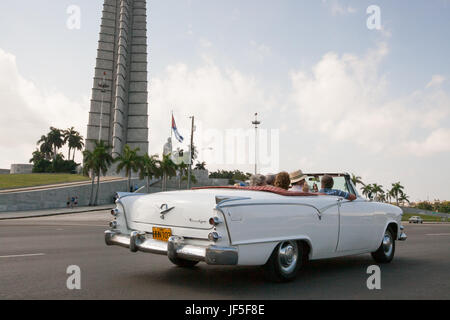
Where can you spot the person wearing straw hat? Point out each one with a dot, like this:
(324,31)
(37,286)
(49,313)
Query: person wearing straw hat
(298,181)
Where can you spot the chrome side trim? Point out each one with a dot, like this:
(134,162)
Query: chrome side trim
(274,240)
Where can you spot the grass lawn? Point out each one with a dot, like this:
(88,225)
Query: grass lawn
(12,181)
(406,217)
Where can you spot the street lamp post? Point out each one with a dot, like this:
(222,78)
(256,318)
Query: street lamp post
(103,86)
(256,123)
(191,150)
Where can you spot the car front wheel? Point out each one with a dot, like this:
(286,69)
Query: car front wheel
(285,261)
(386,251)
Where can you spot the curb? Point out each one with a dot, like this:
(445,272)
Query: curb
(40,215)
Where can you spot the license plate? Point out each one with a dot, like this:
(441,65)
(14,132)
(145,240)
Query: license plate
(162,234)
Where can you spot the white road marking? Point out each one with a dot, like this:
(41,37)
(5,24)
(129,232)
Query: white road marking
(23,255)
(438,234)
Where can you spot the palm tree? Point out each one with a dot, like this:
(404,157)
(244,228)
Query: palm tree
(76,144)
(397,190)
(193,179)
(388,195)
(103,160)
(89,165)
(357,180)
(37,156)
(403,197)
(367,190)
(382,197)
(148,168)
(130,161)
(182,169)
(56,139)
(45,147)
(74,140)
(377,189)
(168,169)
(200,166)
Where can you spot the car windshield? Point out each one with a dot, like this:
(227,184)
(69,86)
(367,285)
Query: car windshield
(340,183)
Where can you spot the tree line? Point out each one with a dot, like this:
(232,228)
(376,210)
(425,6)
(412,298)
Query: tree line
(436,206)
(47,158)
(376,191)
(98,161)
(232,176)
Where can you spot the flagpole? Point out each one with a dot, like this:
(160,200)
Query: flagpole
(191,150)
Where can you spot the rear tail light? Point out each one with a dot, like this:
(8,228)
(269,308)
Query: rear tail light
(114,212)
(214,236)
(113,224)
(214,221)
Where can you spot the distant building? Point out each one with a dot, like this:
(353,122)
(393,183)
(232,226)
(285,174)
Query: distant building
(21,168)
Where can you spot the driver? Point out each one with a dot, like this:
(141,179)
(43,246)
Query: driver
(327,187)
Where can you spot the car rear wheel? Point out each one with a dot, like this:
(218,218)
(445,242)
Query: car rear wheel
(386,251)
(182,262)
(285,261)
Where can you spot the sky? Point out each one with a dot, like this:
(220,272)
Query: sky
(333,93)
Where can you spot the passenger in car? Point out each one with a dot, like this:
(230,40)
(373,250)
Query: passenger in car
(298,182)
(270,179)
(327,187)
(257,180)
(282,180)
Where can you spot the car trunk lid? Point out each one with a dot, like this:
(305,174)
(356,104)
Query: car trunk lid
(172,209)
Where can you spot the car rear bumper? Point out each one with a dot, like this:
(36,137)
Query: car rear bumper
(176,247)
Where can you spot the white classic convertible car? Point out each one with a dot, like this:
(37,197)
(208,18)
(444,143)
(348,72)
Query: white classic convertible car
(253,226)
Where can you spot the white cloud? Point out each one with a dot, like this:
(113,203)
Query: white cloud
(337,8)
(342,100)
(346,99)
(436,81)
(260,51)
(437,141)
(28,111)
(190,31)
(205,43)
(221,98)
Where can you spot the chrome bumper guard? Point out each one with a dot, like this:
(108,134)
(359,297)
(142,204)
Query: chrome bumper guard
(403,235)
(174,248)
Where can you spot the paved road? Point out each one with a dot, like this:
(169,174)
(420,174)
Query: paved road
(35,253)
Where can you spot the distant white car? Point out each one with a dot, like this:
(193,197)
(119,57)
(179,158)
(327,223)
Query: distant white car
(415,219)
(255,226)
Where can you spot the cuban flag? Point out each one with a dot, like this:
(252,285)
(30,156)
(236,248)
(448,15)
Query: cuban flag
(175,131)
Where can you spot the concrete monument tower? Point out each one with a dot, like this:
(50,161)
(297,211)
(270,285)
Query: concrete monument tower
(119,108)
